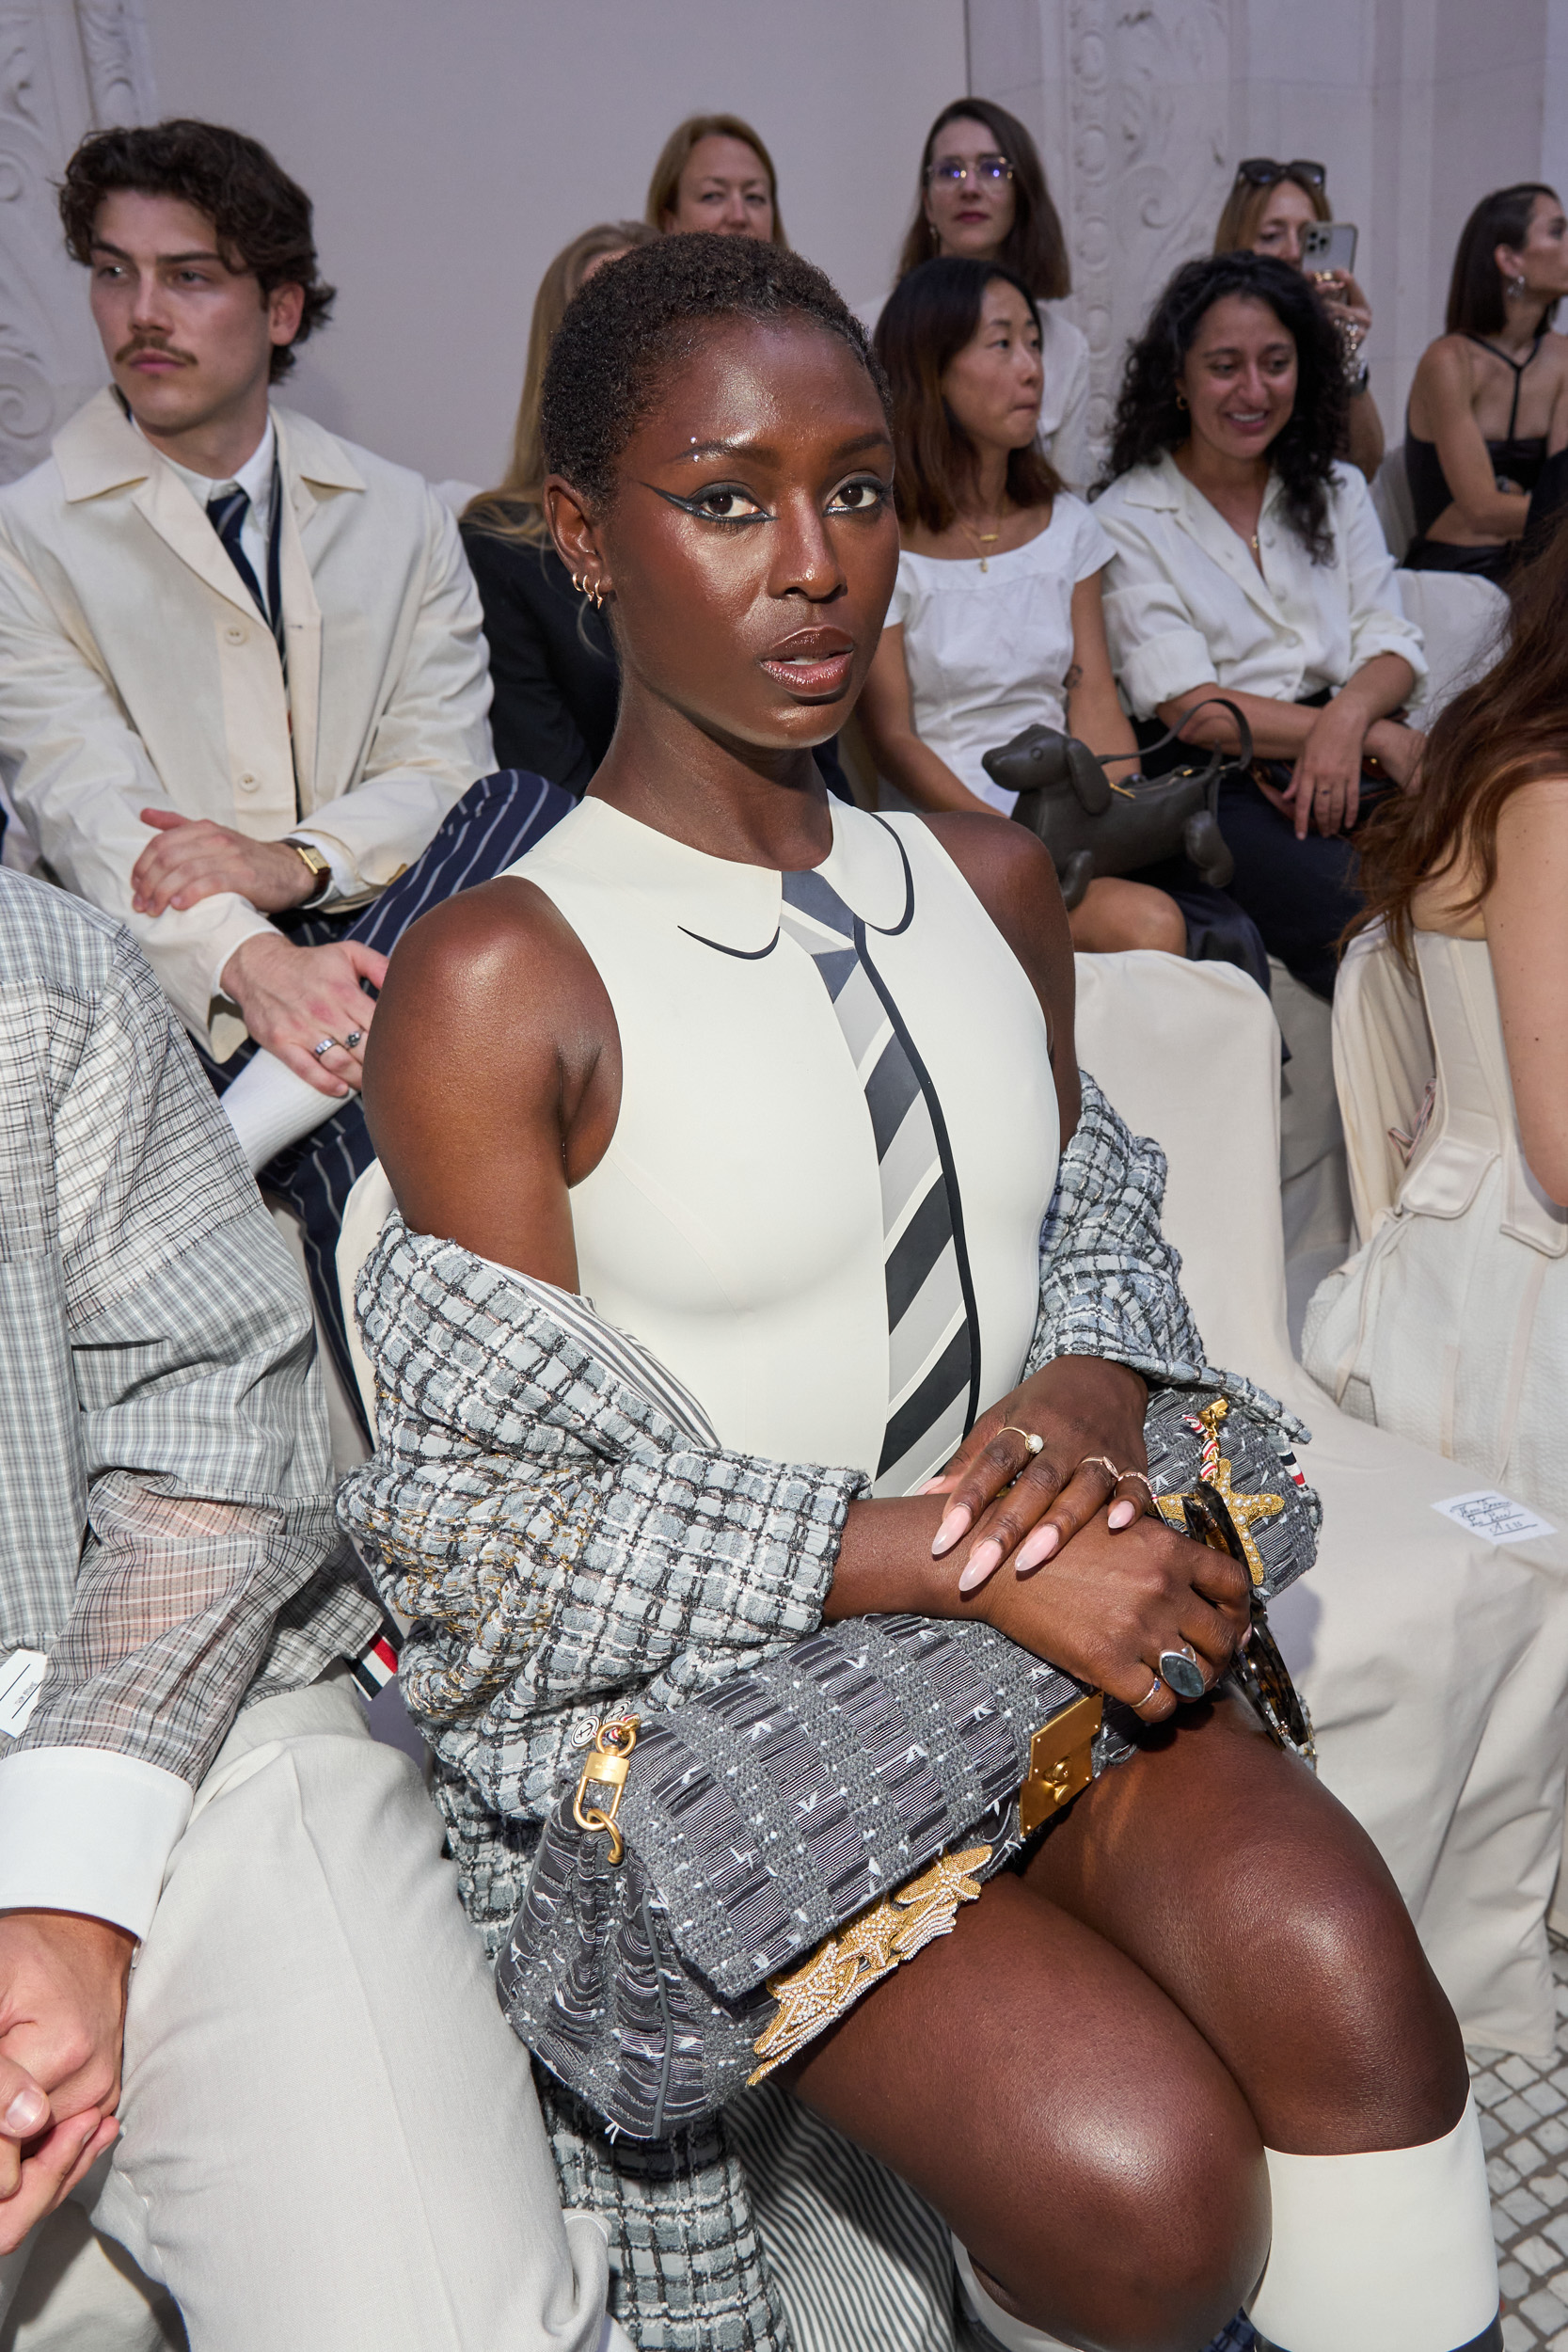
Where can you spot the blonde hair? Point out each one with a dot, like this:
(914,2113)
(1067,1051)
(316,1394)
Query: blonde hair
(664,187)
(514,508)
(1249,199)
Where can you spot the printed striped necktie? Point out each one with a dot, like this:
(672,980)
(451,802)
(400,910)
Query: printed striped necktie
(933,1332)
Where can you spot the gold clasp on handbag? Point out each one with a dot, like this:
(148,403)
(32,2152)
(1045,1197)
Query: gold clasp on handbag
(1061,1762)
(608,1763)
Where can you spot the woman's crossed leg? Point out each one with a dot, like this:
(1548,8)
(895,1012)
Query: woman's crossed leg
(1204,1976)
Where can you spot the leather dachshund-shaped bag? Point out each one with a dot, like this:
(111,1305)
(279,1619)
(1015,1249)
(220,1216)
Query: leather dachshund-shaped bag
(1093,826)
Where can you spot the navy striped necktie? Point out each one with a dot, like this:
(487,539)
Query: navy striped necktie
(226,512)
(933,1330)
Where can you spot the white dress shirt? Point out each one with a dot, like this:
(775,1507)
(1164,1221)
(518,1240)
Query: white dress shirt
(1186,602)
(255,479)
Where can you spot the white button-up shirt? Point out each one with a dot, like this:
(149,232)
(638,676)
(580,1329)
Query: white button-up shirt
(1186,602)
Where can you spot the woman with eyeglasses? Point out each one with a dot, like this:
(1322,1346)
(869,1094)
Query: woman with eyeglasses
(1489,392)
(1266,211)
(983,197)
(1249,563)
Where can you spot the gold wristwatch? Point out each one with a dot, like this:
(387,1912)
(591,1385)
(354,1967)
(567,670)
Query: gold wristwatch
(320,866)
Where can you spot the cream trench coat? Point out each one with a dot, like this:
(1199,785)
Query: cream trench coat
(135,670)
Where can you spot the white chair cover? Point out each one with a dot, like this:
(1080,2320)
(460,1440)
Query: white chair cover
(1460,617)
(1435,1666)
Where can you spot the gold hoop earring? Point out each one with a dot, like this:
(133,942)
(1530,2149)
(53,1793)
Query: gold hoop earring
(597,595)
(1181,402)
(577,584)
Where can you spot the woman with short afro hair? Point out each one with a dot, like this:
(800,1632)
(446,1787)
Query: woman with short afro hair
(767,1101)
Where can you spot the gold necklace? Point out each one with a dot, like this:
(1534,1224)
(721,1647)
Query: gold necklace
(983,539)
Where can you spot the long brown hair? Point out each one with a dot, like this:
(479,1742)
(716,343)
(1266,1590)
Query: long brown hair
(514,509)
(1249,201)
(664,187)
(1034,248)
(929,318)
(1508,729)
(1476,302)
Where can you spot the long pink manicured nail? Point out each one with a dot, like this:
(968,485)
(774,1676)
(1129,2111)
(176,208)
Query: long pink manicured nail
(957,1523)
(932,1486)
(1036,1548)
(1122,1513)
(983,1561)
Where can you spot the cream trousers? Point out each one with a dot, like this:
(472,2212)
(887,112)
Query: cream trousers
(329,2135)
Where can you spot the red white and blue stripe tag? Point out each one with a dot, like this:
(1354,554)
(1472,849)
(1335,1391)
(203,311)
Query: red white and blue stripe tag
(376,1668)
(1298,1476)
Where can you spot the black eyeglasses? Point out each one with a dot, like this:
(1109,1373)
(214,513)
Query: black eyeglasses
(952,170)
(1262,171)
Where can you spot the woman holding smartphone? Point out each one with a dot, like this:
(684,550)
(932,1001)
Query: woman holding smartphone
(1271,210)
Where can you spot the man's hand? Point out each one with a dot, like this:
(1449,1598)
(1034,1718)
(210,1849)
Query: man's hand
(62,2028)
(293,997)
(194,859)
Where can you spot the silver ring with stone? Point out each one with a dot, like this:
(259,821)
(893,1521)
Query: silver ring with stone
(324,1047)
(1152,1692)
(1180,1672)
(353,1039)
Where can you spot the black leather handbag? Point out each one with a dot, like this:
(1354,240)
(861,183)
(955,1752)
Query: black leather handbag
(1093,825)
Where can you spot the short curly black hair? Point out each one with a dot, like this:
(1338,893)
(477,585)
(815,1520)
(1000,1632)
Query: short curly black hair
(1150,419)
(647,309)
(262,219)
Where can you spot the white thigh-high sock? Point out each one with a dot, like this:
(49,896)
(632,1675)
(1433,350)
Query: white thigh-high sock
(1370,2252)
(269,1107)
(1008,2331)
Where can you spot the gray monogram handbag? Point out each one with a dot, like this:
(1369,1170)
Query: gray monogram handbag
(728,1877)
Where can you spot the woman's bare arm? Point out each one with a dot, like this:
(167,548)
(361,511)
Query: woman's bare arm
(886,714)
(1529,941)
(1094,711)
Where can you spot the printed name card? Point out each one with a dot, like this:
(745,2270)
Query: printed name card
(20,1679)
(1495,1518)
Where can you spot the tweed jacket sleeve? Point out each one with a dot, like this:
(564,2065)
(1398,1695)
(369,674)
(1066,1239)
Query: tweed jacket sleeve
(559,1519)
(168,1535)
(1111,1283)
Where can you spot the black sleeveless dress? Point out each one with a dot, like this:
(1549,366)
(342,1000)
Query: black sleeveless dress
(1515,461)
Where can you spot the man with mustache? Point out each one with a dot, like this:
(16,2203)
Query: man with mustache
(240,675)
(243,682)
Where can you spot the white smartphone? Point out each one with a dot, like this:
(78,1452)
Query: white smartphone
(1329,245)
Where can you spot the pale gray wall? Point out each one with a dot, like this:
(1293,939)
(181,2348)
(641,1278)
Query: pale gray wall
(454,146)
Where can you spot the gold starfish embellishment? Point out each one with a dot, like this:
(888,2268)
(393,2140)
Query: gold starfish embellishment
(1243,1509)
(871,1947)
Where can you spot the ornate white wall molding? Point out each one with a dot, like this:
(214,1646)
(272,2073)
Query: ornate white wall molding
(66,66)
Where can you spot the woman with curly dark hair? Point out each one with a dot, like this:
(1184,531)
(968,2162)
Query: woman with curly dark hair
(1249,563)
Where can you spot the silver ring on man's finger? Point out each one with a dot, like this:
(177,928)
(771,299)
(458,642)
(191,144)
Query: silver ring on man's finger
(1180,1672)
(354,1036)
(1152,1692)
(324,1047)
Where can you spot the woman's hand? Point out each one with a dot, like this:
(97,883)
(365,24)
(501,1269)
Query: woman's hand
(1088,1413)
(1325,790)
(1399,751)
(1342,298)
(1106,1606)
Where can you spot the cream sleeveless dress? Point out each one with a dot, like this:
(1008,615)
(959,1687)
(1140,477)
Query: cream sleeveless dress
(1449,1325)
(837,1138)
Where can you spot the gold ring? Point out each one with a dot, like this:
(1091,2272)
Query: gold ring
(1146,1483)
(1102,1461)
(1036,1444)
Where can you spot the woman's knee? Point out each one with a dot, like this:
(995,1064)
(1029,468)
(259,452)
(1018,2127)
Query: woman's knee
(1364,2052)
(1116,915)
(1166,2213)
